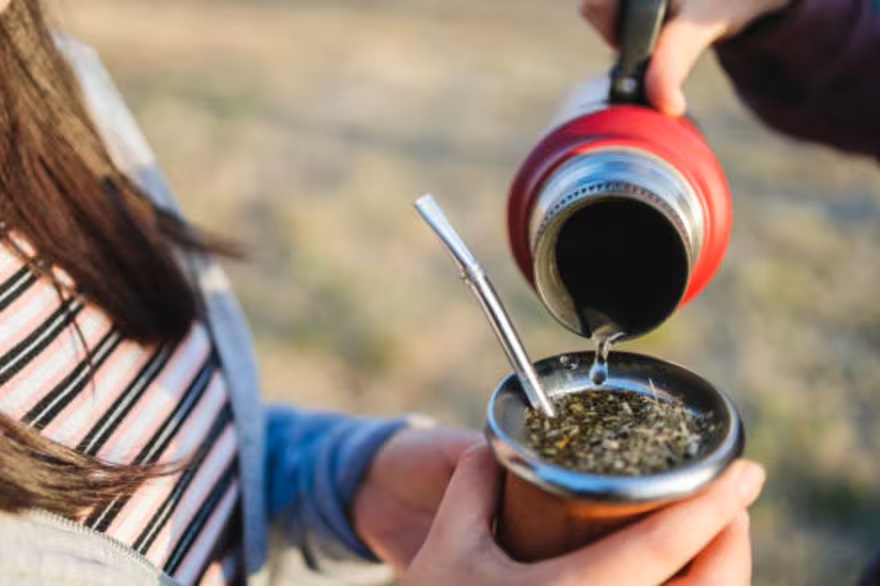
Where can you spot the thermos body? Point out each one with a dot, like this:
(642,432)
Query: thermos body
(618,215)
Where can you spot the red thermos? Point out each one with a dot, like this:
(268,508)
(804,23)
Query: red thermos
(620,214)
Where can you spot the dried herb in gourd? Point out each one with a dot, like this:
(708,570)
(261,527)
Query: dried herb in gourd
(619,433)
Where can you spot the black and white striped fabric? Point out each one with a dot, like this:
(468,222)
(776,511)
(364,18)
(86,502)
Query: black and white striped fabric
(66,371)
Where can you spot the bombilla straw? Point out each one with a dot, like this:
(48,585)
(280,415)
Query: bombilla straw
(478,282)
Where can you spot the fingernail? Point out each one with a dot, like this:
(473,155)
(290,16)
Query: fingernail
(750,480)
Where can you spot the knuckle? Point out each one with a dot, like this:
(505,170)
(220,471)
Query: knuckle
(594,8)
(742,522)
(586,11)
(720,510)
(660,544)
(473,455)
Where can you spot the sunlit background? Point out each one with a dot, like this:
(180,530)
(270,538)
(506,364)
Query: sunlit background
(306,128)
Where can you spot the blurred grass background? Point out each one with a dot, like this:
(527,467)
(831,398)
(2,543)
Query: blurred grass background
(306,128)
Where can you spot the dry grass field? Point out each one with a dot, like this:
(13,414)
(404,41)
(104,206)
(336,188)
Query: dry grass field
(306,128)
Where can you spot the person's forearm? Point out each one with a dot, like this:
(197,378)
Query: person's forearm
(813,71)
(314,465)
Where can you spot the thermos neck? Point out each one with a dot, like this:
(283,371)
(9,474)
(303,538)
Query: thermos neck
(624,172)
(614,234)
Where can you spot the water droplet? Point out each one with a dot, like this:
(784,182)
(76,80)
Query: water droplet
(599,371)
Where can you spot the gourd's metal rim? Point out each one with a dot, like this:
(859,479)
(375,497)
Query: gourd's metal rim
(666,486)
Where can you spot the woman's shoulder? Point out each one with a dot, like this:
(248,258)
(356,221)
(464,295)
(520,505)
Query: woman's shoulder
(36,549)
(71,47)
(120,132)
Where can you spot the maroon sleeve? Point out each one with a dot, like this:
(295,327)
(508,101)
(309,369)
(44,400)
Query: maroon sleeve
(813,71)
(872,576)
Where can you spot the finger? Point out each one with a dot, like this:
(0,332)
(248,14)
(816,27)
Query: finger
(653,550)
(431,452)
(602,14)
(727,560)
(469,505)
(680,44)
(456,441)
(438,453)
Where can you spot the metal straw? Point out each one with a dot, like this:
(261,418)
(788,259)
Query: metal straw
(478,282)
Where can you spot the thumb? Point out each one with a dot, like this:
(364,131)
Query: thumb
(680,44)
(469,505)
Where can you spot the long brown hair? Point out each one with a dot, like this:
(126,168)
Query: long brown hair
(61,192)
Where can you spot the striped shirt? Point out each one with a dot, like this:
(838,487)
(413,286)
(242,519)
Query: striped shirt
(66,371)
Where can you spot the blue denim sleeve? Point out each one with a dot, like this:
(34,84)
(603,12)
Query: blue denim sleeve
(314,464)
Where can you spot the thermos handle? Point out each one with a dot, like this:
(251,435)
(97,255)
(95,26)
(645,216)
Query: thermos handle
(639,24)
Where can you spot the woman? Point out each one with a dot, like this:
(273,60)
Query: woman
(133,449)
